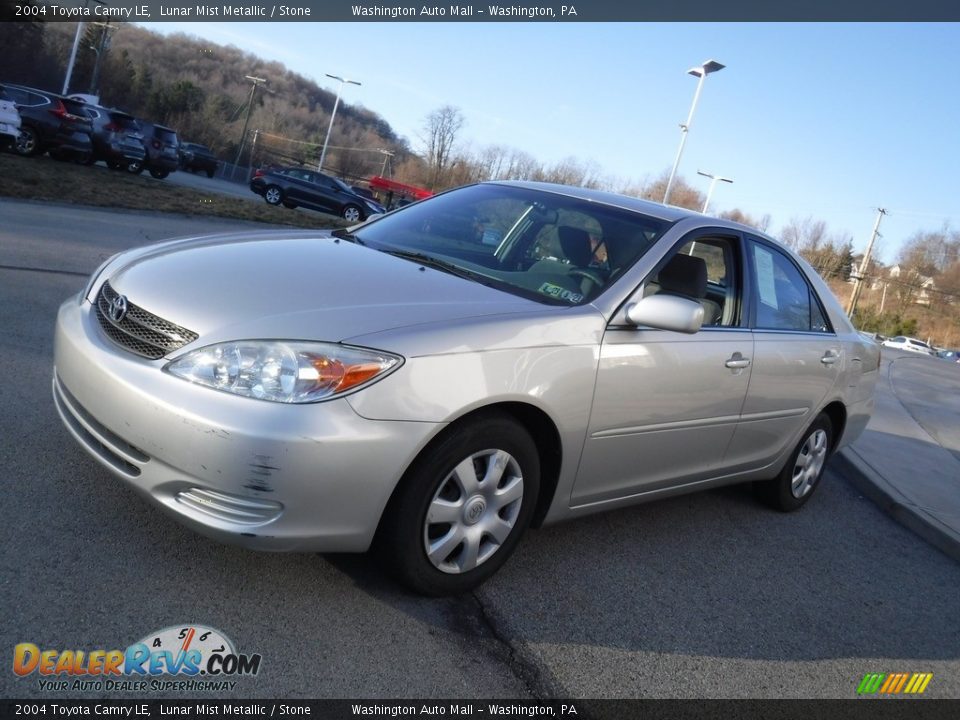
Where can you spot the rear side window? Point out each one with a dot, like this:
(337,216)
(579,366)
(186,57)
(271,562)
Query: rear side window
(168,136)
(782,298)
(25,98)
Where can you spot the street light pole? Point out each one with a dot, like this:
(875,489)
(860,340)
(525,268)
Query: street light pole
(864,265)
(701,72)
(336,103)
(714,179)
(73,58)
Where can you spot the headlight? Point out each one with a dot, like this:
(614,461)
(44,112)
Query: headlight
(287,372)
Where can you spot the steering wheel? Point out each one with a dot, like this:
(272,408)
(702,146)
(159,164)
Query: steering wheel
(592,275)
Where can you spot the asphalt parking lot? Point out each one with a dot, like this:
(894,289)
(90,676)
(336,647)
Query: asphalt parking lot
(708,595)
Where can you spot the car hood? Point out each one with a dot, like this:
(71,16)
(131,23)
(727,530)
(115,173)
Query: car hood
(301,288)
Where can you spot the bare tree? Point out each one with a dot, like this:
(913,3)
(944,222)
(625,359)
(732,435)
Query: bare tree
(440,135)
(682,195)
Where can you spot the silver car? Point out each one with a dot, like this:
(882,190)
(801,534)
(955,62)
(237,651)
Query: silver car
(433,382)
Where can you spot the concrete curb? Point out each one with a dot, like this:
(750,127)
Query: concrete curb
(875,487)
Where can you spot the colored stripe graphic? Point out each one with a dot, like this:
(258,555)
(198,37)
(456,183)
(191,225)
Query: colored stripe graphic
(894,683)
(870,683)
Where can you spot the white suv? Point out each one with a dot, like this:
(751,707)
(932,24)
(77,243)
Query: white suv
(9,120)
(907,343)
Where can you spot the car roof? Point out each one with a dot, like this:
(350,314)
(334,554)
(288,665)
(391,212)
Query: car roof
(669,213)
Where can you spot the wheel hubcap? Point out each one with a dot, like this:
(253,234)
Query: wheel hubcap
(473,511)
(351,214)
(806,471)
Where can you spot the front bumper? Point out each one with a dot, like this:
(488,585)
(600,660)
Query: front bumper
(263,475)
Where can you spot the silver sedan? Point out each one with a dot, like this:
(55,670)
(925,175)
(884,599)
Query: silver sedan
(431,383)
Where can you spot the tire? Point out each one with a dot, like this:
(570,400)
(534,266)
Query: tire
(800,477)
(87,160)
(159,174)
(135,167)
(114,165)
(210,174)
(461,508)
(273,195)
(352,213)
(28,141)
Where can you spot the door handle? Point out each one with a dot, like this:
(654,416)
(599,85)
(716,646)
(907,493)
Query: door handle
(737,362)
(830,357)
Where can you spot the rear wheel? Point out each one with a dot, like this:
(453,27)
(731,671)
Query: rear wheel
(135,167)
(159,174)
(114,165)
(800,477)
(462,507)
(209,173)
(273,195)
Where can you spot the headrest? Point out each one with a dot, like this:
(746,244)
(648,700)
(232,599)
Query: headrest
(684,275)
(575,244)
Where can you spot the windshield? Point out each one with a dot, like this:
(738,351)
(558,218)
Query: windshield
(541,245)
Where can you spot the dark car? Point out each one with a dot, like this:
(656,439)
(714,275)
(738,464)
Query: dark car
(51,123)
(951,355)
(162,151)
(291,187)
(194,157)
(117,137)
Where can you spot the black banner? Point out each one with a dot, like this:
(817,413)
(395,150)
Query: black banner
(861,709)
(469,11)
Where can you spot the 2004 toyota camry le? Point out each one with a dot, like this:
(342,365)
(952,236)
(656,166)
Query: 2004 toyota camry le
(431,383)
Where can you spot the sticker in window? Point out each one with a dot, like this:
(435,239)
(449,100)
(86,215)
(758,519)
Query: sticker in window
(561,293)
(763,260)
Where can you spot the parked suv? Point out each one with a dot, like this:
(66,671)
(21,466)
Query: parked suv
(194,156)
(291,187)
(9,120)
(117,137)
(162,148)
(51,122)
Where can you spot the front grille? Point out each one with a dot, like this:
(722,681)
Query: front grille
(139,331)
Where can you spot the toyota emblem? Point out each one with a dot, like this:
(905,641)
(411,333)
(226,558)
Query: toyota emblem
(117,308)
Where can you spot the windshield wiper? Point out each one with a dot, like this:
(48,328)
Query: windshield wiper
(349,237)
(437,264)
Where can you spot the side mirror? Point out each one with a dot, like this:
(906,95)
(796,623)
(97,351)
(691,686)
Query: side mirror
(667,312)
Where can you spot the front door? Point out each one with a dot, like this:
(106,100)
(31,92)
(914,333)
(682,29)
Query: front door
(666,404)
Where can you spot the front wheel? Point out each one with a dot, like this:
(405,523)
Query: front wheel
(28,141)
(351,213)
(273,195)
(135,167)
(800,477)
(461,508)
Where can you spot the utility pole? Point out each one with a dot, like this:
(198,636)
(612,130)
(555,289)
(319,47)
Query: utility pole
(864,264)
(386,157)
(246,121)
(104,40)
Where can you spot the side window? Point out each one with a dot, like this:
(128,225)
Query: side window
(783,299)
(721,299)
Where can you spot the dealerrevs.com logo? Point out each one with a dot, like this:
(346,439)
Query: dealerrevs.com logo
(204,655)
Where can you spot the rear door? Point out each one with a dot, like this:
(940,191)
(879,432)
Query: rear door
(797,358)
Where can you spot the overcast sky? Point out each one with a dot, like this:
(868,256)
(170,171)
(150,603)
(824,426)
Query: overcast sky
(823,120)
